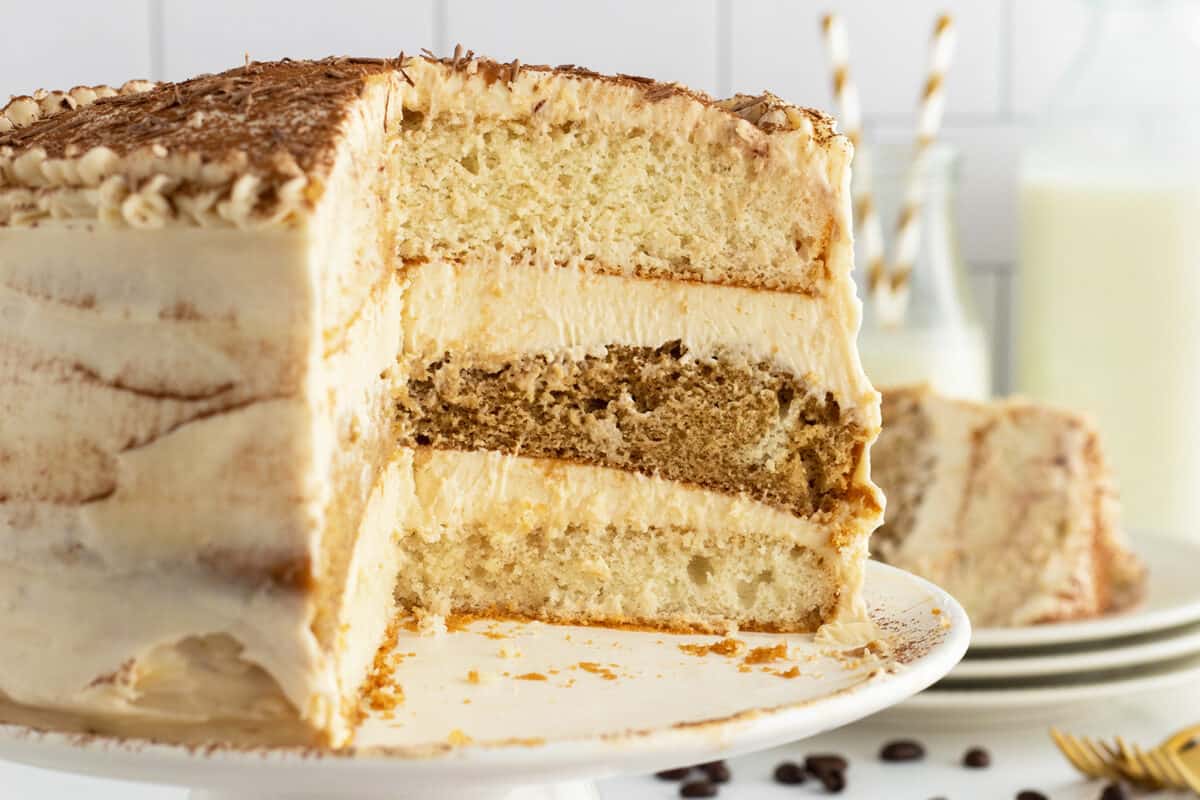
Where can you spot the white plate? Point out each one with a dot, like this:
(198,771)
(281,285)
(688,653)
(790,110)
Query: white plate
(1147,650)
(662,707)
(1172,599)
(1038,701)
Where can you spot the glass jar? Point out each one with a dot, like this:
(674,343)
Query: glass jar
(940,340)
(1109,270)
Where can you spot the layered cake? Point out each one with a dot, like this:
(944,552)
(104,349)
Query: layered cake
(1008,505)
(292,349)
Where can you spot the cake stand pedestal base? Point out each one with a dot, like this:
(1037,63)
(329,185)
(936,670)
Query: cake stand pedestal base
(571,790)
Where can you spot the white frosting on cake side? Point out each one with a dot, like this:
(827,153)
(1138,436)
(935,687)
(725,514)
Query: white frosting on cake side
(172,408)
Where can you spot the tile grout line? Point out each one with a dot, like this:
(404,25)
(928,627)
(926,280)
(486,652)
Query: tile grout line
(154,23)
(724,45)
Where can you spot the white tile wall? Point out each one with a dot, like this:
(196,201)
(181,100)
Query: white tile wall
(107,42)
(213,35)
(1010,52)
(1049,33)
(777,44)
(668,39)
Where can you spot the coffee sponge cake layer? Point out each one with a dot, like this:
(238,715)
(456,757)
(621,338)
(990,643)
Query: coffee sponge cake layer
(290,349)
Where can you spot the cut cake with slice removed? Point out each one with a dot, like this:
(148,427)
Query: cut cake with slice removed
(1008,505)
(286,348)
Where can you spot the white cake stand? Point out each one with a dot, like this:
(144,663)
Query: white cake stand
(555,708)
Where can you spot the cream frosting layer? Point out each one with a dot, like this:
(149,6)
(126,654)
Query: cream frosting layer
(515,496)
(150,640)
(172,406)
(492,312)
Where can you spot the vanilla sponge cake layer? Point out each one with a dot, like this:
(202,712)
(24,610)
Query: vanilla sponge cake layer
(224,302)
(554,540)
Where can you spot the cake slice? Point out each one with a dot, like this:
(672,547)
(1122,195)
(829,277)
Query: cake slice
(292,349)
(1009,506)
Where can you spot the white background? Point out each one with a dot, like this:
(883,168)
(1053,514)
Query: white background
(1010,52)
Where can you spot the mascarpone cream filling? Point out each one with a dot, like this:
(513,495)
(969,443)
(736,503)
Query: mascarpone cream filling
(494,312)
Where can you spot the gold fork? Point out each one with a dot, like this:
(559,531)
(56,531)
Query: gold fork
(1159,767)
(1183,751)
(1131,766)
(1175,764)
(1090,758)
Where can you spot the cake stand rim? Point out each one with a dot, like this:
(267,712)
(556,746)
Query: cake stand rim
(513,765)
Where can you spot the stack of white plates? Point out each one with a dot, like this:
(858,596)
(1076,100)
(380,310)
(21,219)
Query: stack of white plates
(1046,672)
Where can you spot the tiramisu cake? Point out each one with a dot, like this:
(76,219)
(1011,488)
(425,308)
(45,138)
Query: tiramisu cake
(288,350)
(1008,505)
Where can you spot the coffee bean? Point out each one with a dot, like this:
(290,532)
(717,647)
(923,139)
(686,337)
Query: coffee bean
(825,762)
(833,780)
(789,772)
(977,758)
(673,774)
(1114,791)
(1031,794)
(902,750)
(698,789)
(717,771)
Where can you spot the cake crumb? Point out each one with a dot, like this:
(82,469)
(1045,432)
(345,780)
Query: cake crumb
(380,692)
(458,738)
(531,676)
(765,655)
(597,669)
(725,647)
(430,624)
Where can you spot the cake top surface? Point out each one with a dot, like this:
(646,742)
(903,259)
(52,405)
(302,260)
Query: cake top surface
(262,106)
(258,111)
(279,124)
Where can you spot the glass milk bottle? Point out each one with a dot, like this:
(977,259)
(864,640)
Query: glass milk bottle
(940,340)
(1108,318)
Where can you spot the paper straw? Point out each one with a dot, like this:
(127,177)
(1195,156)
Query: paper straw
(845,94)
(908,228)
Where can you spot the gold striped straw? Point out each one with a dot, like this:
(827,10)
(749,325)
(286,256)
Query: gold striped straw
(908,229)
(845,94)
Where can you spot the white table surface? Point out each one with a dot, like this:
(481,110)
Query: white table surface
(1022,758)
